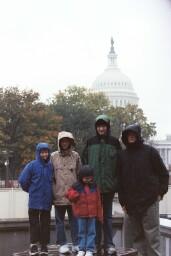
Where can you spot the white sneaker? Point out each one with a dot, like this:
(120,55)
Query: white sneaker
(64,249)
(89,253)
(111,251)
(75,248)
(81,253)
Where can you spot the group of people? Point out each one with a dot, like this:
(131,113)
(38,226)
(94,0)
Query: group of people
(84,188)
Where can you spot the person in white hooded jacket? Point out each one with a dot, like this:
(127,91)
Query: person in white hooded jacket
(66,163)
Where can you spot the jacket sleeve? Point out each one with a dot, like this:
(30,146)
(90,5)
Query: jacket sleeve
(25,177)
(84,157)
(161,171)
(118,148)
(118,145)
(121,195)
(53,179)
(78,166)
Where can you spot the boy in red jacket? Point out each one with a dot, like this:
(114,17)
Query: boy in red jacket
(86,204)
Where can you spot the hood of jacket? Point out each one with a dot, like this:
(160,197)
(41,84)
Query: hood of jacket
(103,119)
(135,128)
(65,134)
(39,147)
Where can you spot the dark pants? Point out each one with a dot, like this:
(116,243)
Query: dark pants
(144,232)
(107,201)
(39,226)
(60,211)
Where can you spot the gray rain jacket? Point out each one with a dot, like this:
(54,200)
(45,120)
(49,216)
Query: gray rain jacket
(66,168)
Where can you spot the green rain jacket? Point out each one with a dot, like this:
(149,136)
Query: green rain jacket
(101,152)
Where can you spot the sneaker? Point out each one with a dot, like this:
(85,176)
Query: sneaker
(75,248)
(111,251)
(89,253)
(44,250)
(33,250)
(64,249)
(81,253)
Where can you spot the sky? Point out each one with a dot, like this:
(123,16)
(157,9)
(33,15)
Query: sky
(47,45)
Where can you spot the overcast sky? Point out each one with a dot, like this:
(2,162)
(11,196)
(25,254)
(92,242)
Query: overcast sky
(47,45)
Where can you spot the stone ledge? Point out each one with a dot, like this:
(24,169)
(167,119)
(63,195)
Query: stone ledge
(23,224)
(53,252)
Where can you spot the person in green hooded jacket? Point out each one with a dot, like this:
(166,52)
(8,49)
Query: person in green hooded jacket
(101,153)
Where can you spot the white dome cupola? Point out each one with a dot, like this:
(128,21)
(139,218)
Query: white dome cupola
(114,84)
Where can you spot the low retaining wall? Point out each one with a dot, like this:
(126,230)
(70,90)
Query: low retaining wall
(14,234)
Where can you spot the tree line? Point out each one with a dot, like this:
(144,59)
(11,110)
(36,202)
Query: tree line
(25,120)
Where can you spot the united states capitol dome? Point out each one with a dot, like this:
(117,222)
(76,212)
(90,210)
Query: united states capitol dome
(115,84)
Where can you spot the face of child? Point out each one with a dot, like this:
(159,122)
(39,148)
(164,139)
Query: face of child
(132,137)
(65,143)
(44,154)
(88,179)
(102,129)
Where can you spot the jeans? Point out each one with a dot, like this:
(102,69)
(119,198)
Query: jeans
(144,231)
(60,211)
(107,201)
(87,234)
(39,226)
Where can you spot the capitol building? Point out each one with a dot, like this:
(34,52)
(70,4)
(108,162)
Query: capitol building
(115,84)
(119,90)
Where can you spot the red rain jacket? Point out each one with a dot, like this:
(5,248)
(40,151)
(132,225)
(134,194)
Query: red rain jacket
(85,203)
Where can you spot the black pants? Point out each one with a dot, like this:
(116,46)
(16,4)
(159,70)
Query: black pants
(39,226)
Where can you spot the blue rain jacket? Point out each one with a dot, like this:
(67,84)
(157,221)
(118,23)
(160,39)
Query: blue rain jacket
(36,179)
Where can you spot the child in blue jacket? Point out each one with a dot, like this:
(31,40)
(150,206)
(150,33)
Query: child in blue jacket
(36,179)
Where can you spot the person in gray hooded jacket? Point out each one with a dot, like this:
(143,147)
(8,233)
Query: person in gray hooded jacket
(66,163)
(143,181)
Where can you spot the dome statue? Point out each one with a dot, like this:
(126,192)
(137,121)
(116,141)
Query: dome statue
(114,84)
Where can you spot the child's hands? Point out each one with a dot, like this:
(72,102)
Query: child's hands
(72,195)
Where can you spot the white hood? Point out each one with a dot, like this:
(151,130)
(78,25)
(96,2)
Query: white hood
(65,134)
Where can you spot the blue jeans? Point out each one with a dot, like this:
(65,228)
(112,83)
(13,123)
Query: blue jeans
(107,201)
(60,211)
(87,234)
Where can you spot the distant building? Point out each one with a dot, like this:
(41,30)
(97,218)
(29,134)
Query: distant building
(114,84)
(164,148)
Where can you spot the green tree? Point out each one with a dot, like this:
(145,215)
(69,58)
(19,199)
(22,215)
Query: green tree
(79,106)
(25,121)
(121,117)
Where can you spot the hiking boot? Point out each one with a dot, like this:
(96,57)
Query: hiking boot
(33,250)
